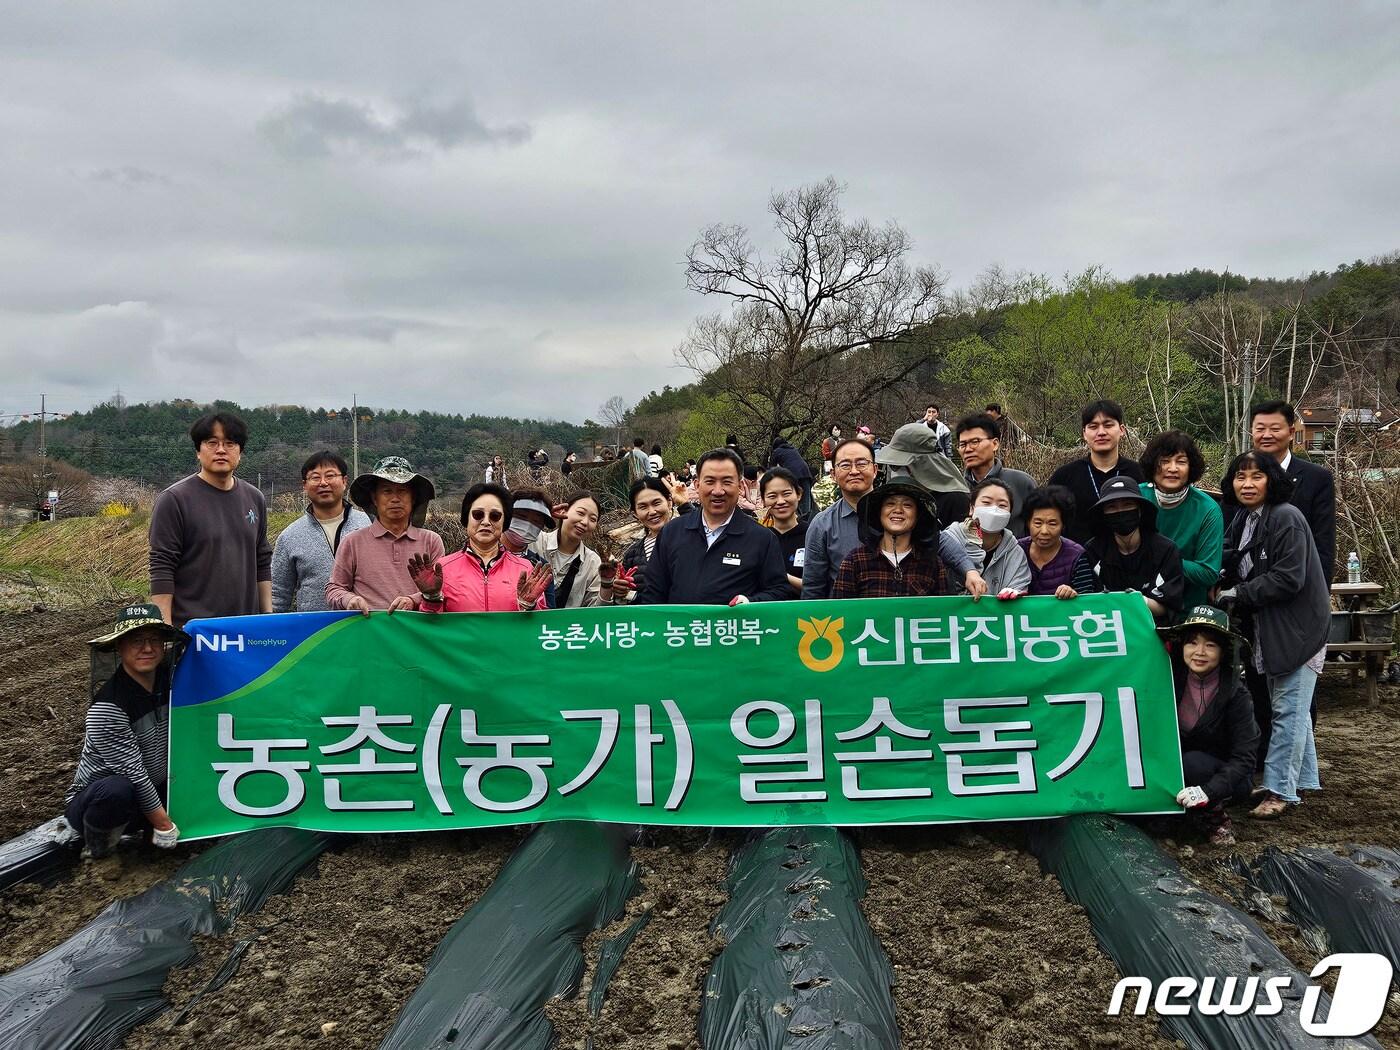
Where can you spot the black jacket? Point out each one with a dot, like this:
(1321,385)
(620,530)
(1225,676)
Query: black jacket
(746,559)
(1285,600)
(787,457)
(1227,730)
(1315,495)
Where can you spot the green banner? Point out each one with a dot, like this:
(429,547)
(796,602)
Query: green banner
(919,710)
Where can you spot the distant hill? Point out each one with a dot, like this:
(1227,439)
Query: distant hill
(150,442)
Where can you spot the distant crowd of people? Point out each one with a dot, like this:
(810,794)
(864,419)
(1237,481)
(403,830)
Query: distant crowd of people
(1239,587)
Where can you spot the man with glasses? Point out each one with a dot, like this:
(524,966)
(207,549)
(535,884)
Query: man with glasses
(371,567)
(119,785)
(304,553)
(208,533)
(835,531)
(979,441)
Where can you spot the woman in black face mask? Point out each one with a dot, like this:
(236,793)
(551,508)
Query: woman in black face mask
(1127,553)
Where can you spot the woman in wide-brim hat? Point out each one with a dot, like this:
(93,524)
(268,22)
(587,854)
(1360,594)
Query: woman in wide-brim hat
(898,555)
(1215,718)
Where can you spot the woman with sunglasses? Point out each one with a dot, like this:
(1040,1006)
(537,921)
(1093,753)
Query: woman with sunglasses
(483,576)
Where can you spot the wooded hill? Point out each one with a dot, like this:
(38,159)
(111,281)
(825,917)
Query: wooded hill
(150,442)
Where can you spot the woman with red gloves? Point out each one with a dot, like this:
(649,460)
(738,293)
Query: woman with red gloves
(483,576)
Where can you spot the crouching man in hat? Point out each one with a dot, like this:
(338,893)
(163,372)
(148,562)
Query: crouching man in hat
(120,782)
(371,565)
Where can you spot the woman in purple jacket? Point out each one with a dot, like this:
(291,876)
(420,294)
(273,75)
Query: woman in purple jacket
(1051,555)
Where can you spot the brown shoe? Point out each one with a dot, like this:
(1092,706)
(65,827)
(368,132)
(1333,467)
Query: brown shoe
(1271,808)
(1222,835)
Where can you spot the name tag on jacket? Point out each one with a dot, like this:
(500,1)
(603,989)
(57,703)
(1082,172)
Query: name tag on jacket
(730,559)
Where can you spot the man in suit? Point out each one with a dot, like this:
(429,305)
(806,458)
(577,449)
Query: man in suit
(1271,425)
(719,556)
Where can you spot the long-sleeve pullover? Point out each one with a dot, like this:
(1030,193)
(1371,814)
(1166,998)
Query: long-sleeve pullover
(127,734)
(1197,528)
(209,549)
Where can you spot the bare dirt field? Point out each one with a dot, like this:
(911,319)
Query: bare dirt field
(986,950)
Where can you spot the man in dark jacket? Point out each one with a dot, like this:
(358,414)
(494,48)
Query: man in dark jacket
(719,556)
(1271,426)
(787,457)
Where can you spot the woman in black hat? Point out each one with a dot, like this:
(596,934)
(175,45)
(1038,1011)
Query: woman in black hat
(1127,553)
(898,556)
(1215,717)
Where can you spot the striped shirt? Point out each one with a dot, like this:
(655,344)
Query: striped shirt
(128,734)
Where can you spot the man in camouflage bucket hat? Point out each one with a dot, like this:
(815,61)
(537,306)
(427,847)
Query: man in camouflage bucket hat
(399,471)
(371,565)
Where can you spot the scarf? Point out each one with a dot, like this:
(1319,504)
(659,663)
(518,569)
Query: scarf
(1198,692)
(1168,500)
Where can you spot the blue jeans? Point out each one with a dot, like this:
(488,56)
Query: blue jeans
(1291,762)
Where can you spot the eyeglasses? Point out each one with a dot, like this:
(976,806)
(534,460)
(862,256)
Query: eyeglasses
(316,479)
(492,516)
(146,641)
(213,443)
(971,443)
(855,464)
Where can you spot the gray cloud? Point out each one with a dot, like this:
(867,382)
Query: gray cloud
(445,211)
(126,175)
(314,126)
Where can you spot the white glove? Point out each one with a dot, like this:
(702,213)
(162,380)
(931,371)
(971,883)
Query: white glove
(738,599)
(166,839)
(64,833)
(1191,797)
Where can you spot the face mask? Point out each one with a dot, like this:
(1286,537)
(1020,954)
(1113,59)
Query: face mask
(526,531)
(1123,522)
(992,519)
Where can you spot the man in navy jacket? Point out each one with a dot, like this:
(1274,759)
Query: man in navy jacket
(719,556)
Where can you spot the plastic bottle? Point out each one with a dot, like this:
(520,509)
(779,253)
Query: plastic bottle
(1353,568)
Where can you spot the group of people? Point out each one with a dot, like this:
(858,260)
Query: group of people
(1240,584)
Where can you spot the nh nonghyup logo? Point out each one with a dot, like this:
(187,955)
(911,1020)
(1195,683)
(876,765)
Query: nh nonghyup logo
(1363,985)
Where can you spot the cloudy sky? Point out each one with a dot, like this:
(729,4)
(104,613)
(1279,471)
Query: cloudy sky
(486,207)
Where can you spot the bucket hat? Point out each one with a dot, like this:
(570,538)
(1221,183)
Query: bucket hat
(914,447)
(401,472)
(868,509)
(1208,616)
(1119,488)
(132,618)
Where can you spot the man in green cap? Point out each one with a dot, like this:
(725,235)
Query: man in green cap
(120,782)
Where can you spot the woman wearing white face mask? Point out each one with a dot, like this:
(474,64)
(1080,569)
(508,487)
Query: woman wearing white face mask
(991,546)
(530,515)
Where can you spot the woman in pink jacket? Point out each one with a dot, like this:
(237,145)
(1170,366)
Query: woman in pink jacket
(483,576)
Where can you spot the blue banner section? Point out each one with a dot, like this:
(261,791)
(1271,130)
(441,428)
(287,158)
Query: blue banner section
(248,646)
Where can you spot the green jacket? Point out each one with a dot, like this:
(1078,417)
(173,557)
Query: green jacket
(1197,527)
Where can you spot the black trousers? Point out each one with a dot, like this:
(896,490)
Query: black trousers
(106,803)
(1200,766)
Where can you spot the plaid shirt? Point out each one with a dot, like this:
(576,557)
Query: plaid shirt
(867,573)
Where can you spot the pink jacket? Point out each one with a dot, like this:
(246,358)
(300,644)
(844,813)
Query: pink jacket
(465,588)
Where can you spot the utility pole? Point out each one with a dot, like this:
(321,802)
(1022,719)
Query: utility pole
(355,435)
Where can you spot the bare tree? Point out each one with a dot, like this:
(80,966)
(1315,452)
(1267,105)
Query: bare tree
(1244,341)
(614,412)
(812,333)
